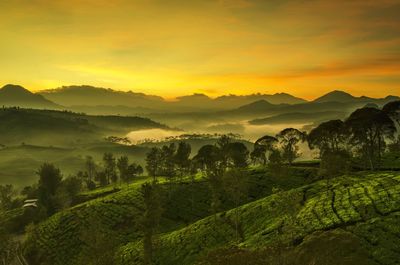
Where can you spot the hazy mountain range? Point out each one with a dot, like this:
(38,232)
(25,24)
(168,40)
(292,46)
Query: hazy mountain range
(192,112)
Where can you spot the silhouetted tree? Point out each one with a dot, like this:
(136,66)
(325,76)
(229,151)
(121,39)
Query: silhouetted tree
(151,218)
(49,182)
(134,170)
(168,161)
(153,162)
(262,146)
(208,159)
(368,130)
(236,186)
(90,166)
(110,170)
(289,139)
(238,155)
(328,136)
(123,165)
(182,159)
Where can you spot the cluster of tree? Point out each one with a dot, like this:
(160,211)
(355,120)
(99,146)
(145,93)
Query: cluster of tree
(169,161)
(363,137)
(113,171)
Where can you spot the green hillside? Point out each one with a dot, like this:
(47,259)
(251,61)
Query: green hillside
(367,206)
(362,208)
(119,214)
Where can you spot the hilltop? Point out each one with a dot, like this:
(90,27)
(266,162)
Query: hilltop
(14,95)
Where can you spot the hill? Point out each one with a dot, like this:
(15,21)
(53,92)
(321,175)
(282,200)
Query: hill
(14,95)
(344,97)
(95,96)
(50,127)
(360,213)
(118,214)
(300,118)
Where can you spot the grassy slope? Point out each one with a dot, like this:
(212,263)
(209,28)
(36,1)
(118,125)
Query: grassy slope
(119,213)
(19,163)
(367,206)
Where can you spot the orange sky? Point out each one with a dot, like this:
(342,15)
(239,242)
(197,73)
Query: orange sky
(171,48)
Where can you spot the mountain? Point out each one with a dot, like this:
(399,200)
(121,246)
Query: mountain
(14,95)
(344,97)
(96,96)
(336,96)
(74,96)
(63,128)
(300,117)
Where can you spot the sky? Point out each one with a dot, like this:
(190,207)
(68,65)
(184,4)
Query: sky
(176,47)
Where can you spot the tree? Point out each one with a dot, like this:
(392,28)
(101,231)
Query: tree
(258,155)
(328,136)
(49,182)
(237,154)
(368,130)
(7,247)
(223,145)
(182,159)
(289,139)
(209,160)
(262,145)
(7,193)
(134,170)
(153,162)
(168,161)
(236,186)
(110,168)
(392,109)
(90,166)
(123,168)
(70,188)
(151,218)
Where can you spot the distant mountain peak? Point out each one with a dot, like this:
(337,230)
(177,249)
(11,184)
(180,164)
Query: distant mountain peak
(16,95)
(10,88)
(335,96)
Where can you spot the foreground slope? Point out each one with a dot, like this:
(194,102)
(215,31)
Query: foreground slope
(366,206)
(58,240)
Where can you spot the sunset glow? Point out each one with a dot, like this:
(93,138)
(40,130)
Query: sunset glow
(172,48)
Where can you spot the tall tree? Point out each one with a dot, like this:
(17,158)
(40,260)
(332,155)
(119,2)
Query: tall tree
(223,145)
(236,186)
(209,160)
(110,168)
(90,166)
(369,128)
(153,162)
(238,155)
(123,165)
(289,139)
(182,159)
(151,218)
(134,170)
(262,146)
(49,182)
(328,136)
(168,161)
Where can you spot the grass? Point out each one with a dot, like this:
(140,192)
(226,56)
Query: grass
(367,206)
(57,240)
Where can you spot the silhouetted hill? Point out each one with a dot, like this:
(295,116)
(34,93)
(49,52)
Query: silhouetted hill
(336,96)
(95,96)
(300,117)
(14,95)
(51,127)
(344,97)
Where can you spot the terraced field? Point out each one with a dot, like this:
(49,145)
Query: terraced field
(59,240)
(367,206)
